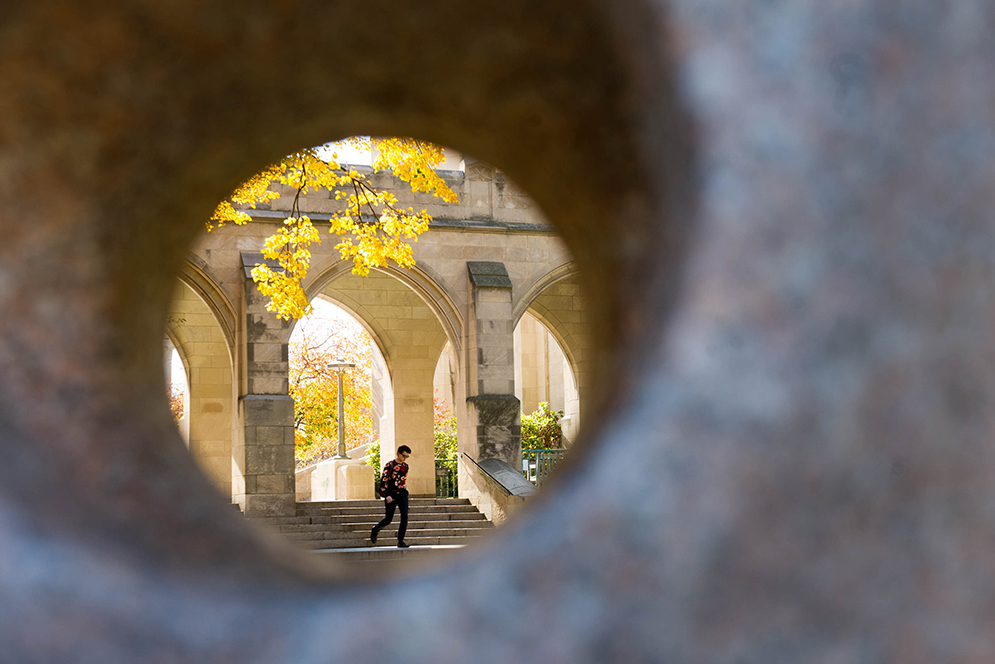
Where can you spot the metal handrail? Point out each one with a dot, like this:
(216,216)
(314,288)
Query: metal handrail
(538,464)
(446,478)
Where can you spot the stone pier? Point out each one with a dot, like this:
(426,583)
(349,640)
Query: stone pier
(263,452)
(494,410)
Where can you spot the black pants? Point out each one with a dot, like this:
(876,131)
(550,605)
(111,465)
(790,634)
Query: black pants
(400,499)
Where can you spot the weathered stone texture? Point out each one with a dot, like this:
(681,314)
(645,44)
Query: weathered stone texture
(201,342)
(780,213)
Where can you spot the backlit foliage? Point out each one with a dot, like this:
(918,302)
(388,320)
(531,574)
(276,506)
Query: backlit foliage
(371,230)
(541,429)
(444,429)
(175,393)
(314,388)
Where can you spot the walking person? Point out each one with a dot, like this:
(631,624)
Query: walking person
(392,483)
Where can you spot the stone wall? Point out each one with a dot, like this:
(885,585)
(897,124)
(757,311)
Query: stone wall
(491,498)
(781,213)
(411,315)
(207,362)
(544,374)
(411,339)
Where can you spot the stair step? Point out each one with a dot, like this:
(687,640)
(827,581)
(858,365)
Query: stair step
(412,516)
(379,502)
(387,544)
(411,534)
(378,509)
(371,518)
(366,526)
(391,554)
(346,524)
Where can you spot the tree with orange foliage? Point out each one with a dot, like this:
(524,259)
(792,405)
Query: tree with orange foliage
(175,401)
(314,388)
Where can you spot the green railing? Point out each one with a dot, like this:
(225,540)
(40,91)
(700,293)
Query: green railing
(538,464)
(446,485)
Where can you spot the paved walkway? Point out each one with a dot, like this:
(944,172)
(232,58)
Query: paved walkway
(389,547)
(388,553)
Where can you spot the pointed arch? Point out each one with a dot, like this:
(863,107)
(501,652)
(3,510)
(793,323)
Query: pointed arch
(197,276)
(428,288)
(525,298)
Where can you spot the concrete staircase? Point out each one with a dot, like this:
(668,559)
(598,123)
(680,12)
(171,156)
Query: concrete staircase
(343,527)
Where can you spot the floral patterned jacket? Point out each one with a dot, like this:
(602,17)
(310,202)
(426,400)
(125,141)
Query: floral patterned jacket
(393,478)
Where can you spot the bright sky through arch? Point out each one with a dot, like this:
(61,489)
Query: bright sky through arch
(325,319)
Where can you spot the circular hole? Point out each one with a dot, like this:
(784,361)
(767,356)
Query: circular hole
(107,169)
(476,356)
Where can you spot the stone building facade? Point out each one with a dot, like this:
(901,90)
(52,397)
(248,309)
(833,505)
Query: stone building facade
(491,317)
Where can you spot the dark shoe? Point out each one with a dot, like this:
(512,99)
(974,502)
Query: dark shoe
(373,536)
(403,545)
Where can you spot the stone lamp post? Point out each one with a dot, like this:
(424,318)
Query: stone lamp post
(340,366)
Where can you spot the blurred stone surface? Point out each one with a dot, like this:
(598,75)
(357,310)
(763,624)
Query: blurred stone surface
(796,464)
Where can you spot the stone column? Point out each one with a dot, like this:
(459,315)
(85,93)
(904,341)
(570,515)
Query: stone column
(493,408)
(413,416)
(263,457)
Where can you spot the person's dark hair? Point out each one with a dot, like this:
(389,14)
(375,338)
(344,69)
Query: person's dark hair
(404,449)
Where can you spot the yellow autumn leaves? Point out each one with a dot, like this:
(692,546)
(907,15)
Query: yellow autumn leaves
(372,230)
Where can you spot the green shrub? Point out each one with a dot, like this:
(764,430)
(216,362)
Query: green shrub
(373,459)
(541,429)
(445,438)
